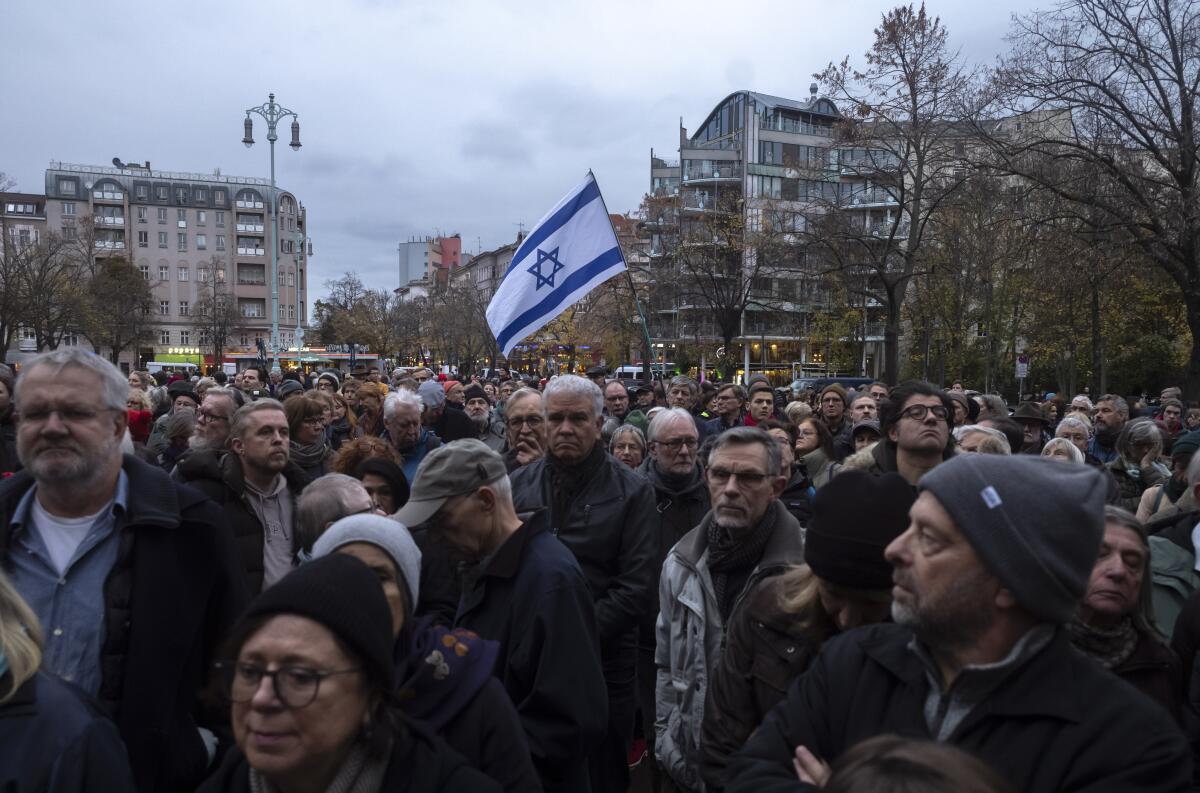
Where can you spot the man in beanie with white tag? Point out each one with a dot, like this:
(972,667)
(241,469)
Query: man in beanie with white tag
(529,595)
(997,554)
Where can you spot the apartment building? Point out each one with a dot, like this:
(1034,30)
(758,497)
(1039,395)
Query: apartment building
(485,270)
(184,231)
(427,262)
(775,161)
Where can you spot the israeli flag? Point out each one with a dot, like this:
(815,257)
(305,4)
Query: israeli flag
(570,252)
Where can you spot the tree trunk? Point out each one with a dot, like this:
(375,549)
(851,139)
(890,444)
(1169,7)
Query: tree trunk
(891,339)
(1097,343)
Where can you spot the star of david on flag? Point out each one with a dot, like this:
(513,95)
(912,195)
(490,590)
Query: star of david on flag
(571,251)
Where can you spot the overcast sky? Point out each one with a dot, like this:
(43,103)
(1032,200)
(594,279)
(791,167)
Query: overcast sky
(416,117)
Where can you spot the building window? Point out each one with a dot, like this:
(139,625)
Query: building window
(245,340)
(164,307)
(68,208)
(200,195)
(142,213)
(291,311)
(144,269)
(201,217)
(219,219)
(202,274)
(142,192)
(181,195)
(164,337)
(219,199)
(162,239)
(70,340)
(185,337)
(182,213)
(291,279)
(300,278)
(66,186)
(183,273)
(220,275)
(164,272)
(181,239)
(160,192)
(162,215)
(143,239)
(201,242)
(68,232)
(184,310)
(220,242)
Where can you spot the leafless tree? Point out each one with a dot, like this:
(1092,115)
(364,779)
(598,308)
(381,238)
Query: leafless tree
(215,316)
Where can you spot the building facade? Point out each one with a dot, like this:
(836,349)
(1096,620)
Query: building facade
(774,163)
(185,232)
(427,262)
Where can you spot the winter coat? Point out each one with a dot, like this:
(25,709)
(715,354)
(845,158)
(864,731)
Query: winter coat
(444,679)
(420,763)
(883,455)
(609,527)
(1154,670)
(453,425)
(679,511)
(765,650)
(797,497)
(531,597)
(1173,569)
(843,440)
(1059,723)
(495,435)
(690,637)
(170,599)
(716,425)
(427,441)
(1185,641)
(817,467)
(219,476)
(1133,481)
(54,739)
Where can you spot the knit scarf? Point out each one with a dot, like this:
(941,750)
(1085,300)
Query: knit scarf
(568,481)
(358,774)
(732,559)
(1111,647)
(309,456)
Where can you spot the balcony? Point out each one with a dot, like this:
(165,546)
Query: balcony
(253,228)
(111,245)
(724,173)
(249,204)
(253,312)
(870,198)
(251,251)
(106,220)
(108,195)
(783,124)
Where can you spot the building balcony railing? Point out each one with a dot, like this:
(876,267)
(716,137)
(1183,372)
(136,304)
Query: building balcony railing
(249,204)
(253,228)
(659,164)
(108,195)
(868,198)
(723,173)
(252,251)
(113,245)
(107,220)
(253,313)
(783,124)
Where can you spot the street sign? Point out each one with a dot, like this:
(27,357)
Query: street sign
(1022,366)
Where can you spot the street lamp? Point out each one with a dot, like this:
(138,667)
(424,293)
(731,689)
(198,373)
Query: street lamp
(273,113)
(300,252)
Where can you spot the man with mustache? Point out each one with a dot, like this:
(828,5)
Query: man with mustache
(1111,414)
(479,410)
(134,578)
(995,560)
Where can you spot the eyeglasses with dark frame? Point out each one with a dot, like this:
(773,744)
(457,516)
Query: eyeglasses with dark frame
(294,686)
(679,443)
(748,478)
(919,412)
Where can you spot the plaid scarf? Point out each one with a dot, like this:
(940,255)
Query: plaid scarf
(731,559)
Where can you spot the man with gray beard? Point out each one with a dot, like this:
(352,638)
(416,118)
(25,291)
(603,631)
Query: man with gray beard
(998,552)
(479,410)
(213,418)
(134,578)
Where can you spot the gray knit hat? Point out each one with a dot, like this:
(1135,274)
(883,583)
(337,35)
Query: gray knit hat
(432,394)
(389,535)
(331,377)
(1035,524)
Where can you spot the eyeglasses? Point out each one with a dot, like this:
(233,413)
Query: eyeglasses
(807,433)
(679,443)
(919,412)
(295,686)
(533,422)
(627,447)
(206,415)
(747,478)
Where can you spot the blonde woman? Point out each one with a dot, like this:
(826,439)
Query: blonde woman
(51,738)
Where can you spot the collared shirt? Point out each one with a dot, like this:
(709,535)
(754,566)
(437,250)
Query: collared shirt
(69,605)
(946,710)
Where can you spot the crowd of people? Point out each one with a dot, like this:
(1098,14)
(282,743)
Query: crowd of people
(355,582)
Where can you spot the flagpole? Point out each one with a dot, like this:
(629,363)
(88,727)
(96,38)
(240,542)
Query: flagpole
(629,277)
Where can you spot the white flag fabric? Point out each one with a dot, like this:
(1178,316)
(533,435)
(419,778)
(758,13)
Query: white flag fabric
(570,252)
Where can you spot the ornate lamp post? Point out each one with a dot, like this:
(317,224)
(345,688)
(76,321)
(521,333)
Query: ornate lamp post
(273,113)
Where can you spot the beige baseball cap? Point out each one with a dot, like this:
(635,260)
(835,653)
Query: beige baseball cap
(447,471)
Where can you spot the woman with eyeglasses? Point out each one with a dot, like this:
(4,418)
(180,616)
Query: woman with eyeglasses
(306,427)
(52,738)
(308,678)
(814,450)
(628,445)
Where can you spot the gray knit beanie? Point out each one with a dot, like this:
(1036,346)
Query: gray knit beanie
(1035,524)
(389,535)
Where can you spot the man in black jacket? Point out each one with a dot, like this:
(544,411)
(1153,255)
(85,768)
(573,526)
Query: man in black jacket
(530,596)
(449,424)
(603,512)
(257,485)
(996,557)
(134,578)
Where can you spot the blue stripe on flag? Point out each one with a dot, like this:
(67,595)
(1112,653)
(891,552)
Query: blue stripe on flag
(554,223)
(548,307)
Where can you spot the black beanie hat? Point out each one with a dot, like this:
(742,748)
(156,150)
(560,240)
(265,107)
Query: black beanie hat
(344,595)
(854,518)
(474,391)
